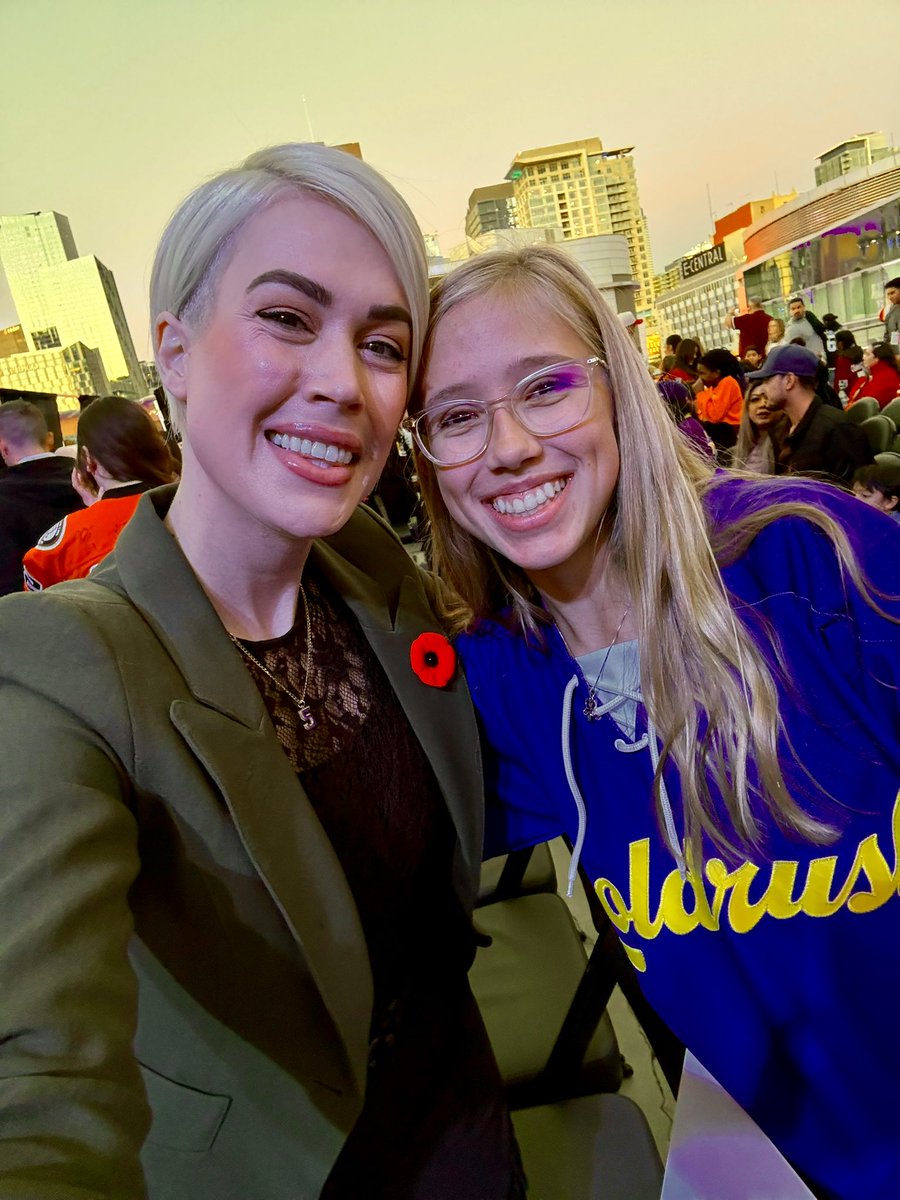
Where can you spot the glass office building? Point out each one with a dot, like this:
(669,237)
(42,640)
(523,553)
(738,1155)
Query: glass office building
(836,246)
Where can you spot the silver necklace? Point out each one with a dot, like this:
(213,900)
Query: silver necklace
(593,709)
(307,719)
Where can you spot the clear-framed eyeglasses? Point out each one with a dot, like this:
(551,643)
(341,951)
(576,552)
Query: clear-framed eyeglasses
(552,400)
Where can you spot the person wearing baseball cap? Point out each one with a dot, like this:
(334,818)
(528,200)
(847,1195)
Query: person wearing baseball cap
(630,324)
(821,440)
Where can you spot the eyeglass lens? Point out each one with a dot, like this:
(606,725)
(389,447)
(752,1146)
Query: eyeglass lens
(547,402)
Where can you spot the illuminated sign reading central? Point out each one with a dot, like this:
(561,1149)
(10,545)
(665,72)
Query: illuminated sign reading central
(702,261)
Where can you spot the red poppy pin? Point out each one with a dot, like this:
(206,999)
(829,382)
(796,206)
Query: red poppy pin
(433,659)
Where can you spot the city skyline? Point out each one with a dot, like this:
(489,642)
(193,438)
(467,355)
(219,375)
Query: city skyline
(62,298)
(441,111)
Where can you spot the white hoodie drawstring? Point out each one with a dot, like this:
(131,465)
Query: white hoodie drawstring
(573,785)
(649,740)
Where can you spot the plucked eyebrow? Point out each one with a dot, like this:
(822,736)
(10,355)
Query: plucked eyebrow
(390,312)
(300,283)
(523,367)
(321,295)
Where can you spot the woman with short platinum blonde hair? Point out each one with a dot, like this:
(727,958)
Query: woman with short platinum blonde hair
(240,835)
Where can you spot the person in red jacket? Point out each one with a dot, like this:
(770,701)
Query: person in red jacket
(884,375)
(121,454)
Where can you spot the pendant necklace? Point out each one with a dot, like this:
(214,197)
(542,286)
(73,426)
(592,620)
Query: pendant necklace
(593,709)
(306,718)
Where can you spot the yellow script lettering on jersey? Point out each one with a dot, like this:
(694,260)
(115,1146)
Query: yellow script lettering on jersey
(687,904)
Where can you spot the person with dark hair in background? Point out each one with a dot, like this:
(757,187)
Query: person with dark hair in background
(720,399)
(892,312)
(831,324)
(859,375)
(879,486)
(121,454)
(752,359)
(821,440)
(35,490)
(803,323)
(883,383)
(844,377)
(824,390)
(682,409)
(672,342)
(686,354)
(761,432)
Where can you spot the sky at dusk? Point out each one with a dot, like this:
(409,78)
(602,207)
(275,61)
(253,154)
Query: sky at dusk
(114,109)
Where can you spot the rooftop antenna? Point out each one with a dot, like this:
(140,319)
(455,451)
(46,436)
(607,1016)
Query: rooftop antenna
(312,136)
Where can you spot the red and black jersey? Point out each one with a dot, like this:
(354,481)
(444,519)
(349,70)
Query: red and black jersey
(72,547)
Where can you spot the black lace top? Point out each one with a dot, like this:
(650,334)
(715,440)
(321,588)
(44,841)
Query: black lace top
(373,790)
(433,1087)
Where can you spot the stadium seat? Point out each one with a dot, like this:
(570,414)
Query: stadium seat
(521,873)
(593,1148)
(892,410)
(881,431)
(861,410)
(544,1002)
(888,458)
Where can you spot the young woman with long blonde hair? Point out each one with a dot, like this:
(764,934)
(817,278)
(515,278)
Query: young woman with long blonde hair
(693,675)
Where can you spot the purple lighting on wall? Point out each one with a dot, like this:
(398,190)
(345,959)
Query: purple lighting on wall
(854,229)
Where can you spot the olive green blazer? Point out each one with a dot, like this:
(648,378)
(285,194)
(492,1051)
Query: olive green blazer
(185,992)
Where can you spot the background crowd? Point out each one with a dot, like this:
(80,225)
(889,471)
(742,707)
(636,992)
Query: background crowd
(798,397)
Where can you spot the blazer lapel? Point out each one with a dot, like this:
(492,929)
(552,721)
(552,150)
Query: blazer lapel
(442,719)
(292,854)
(227,727)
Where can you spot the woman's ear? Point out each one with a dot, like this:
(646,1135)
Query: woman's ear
(172,348)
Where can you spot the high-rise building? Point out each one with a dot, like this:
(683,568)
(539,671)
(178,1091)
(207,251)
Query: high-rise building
(75,370)
(859,151)
(587,191)
(12,341)
(491,208)
(604,258)
(62,299)
(150,374)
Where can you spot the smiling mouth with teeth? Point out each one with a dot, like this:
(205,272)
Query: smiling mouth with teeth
(529,501)
(324,452)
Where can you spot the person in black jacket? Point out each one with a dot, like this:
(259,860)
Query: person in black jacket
(824,390)
(821,441)
(35,491)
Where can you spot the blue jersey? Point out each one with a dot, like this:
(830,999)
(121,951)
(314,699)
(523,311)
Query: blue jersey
(778,968)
